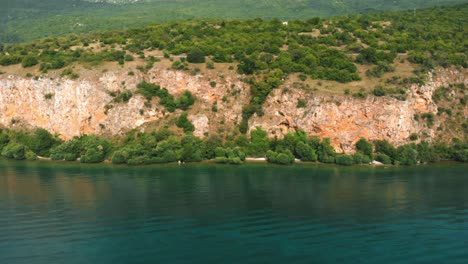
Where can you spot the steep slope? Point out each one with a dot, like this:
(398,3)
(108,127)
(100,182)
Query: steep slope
(76,107)
(394,76)
(85,106)
(345,119)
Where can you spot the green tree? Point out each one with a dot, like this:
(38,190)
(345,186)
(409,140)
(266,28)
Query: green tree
(92,155)
(119,157)
(259,143)
(196,55)
(29,61)
(283,158)
(360,158)
(305,152)
(326,153)
(383,158)
(246,66)
(344,159)
(42,141)
(185,124)
(4,139)
(185,101)
(364,147)
(407,155)
(384,147)
(461,155)
(15,151)
(192,148)
(168,150)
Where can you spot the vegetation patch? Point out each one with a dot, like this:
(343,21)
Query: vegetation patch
(149,90)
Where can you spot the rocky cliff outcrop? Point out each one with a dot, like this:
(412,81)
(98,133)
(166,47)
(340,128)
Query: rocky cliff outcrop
(85,106)
(345,119)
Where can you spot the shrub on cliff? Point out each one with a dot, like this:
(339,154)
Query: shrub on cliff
(185,101)
(184,123)
(123,96)
(6,60)
(148,90)
(196,55)
(379,91)
(246,66)
(29,61)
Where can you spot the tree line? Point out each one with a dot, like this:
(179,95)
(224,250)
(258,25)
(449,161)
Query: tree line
(164,146)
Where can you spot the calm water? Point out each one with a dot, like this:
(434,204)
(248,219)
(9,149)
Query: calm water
(68,213)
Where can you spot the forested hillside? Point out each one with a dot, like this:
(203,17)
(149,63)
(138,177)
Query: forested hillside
(363,72)
(25,20)
(327,49)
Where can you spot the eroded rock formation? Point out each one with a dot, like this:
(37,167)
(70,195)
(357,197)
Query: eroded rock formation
(85,106)
(345,119)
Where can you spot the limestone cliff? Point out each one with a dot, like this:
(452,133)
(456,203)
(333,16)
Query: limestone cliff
(345,119)
(85,106)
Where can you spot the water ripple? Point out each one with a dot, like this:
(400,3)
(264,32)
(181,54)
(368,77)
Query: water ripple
(249,214)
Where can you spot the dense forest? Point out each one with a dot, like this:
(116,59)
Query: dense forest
(24,20)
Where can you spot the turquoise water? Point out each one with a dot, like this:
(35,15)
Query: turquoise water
(69,213)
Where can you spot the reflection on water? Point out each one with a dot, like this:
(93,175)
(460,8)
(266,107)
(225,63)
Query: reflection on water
(248,214)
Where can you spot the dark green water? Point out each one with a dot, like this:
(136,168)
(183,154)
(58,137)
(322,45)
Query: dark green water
(68,213)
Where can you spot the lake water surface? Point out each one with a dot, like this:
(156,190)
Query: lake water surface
(256,213)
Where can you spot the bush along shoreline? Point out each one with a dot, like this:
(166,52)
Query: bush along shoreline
(163,146)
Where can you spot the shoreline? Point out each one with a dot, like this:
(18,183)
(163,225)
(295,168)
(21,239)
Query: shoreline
(248,160)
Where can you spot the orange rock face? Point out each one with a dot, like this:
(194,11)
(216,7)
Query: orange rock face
(345,119)
(85,106)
